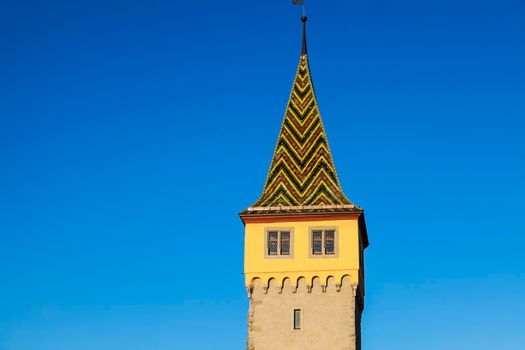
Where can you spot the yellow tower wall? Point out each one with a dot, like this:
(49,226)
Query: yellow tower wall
(301,263)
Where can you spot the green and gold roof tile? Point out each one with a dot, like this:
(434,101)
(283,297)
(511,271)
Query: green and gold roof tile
(302,175)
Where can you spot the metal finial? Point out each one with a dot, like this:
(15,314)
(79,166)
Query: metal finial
(303,19)
(304,50)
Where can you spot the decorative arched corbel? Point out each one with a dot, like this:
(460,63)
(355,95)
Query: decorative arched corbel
(354,289)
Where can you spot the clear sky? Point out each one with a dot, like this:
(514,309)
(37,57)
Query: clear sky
(133,132)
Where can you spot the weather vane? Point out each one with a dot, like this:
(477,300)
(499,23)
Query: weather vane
(300,2)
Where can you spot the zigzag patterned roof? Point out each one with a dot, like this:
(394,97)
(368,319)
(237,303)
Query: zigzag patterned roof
(302,174)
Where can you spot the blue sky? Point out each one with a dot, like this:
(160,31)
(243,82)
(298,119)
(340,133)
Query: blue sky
(132,132)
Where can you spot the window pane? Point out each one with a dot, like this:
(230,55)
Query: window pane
(297,319)
(272,243)
(317,242)
(285,243)
(329,243)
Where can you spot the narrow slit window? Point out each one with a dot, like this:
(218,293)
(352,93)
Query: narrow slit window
(297,319)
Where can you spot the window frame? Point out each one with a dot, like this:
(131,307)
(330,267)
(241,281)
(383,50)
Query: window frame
(281,240)
(270,239)
(315,239)
(279,254)
(324,230)
(325,242)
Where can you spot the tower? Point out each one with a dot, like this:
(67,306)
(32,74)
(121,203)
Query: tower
(304,240)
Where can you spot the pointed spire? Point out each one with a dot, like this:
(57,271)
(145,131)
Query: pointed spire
(302,176)
(304,50)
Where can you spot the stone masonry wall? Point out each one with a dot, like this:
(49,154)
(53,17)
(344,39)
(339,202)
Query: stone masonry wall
(328,315)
